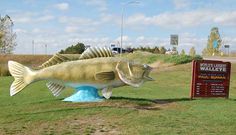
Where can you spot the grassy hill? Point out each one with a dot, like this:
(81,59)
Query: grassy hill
(149,58)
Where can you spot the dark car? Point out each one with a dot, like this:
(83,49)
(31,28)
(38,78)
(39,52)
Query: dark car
(116,50)
(129,50)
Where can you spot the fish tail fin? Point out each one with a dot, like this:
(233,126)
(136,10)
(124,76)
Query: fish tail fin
(22,76)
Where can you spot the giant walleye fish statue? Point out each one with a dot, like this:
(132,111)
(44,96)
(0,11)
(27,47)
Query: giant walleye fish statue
(96,68)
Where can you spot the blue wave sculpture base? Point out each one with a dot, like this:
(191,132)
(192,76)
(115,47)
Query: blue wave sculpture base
(85,94)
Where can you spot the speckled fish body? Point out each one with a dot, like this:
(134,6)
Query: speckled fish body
(83,72)
(96,67)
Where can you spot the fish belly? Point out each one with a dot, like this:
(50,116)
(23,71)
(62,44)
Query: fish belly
(98,86)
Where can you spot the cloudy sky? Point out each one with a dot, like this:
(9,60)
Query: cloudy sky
(61,23)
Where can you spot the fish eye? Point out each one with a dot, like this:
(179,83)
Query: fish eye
(145,65)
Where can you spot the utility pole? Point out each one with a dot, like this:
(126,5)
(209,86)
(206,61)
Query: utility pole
(122,22)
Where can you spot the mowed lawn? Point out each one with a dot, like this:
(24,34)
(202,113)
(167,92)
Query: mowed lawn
(158,107)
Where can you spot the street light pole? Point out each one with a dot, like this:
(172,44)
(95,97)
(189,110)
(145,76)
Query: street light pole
(121,29)
(122,22)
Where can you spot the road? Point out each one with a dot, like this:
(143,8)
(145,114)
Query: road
(229,59)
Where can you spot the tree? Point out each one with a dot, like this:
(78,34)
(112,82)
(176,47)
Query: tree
(156,50)
(192,52)
(7,36)
(182,52)
(214,43)
(162,50)
(74,49)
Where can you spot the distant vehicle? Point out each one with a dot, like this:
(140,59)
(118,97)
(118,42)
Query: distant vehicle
(116,50)
(171,52)
(113,45)
(129,50)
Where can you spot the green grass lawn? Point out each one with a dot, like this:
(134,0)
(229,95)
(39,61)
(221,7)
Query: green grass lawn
(158,107)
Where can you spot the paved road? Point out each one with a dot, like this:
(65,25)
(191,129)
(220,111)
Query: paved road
(230,59)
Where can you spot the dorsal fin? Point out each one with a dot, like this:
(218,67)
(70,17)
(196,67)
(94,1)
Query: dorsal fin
(94,52)
(56,59)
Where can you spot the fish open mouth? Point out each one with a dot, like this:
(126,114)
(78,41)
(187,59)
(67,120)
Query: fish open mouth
(146,74)
(148,78)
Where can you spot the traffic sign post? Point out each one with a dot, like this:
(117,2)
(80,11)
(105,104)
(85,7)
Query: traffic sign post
(174,40)
(210,79)
(227,46)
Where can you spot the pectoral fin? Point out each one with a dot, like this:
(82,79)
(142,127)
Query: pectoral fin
(105,76)
(107,92)
(55,88)
(128,79)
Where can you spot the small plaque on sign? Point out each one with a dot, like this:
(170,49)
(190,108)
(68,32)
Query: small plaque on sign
(210,78)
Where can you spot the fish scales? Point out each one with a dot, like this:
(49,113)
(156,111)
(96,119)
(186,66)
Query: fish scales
(78,71)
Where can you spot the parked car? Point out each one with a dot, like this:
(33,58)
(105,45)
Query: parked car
(171,52)
(129,50)
(116,50)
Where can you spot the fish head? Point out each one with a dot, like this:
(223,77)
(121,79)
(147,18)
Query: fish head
(133,74)
(141,71)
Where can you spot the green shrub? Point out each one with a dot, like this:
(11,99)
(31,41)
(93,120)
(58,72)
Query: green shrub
(181,59)
(197,57)
(4,71)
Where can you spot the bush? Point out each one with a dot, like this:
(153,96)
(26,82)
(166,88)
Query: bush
(74,49)
(4,71)
(181,59)
(197,57)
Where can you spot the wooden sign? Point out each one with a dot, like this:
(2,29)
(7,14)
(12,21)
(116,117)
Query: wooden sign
(210,78)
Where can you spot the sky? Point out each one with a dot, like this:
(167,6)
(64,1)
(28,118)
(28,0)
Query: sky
(58,24)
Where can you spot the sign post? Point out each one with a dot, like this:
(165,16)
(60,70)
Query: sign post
(227,46)
(174,40)
(210,79)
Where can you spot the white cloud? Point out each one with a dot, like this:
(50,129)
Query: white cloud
(124,39)
(78,21)
(101,5)
(226,18)
(140,39)
(20,31)
(45,18)
(28,17)
(71,29)
(79,24)
(184,19)
(110,18)
(36,30)
(22,19)
(180,4)
(62,6)
(57,41)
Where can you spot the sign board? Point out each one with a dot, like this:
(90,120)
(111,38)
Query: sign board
(174,39)
(226,46)
(210,78)
(113,45)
